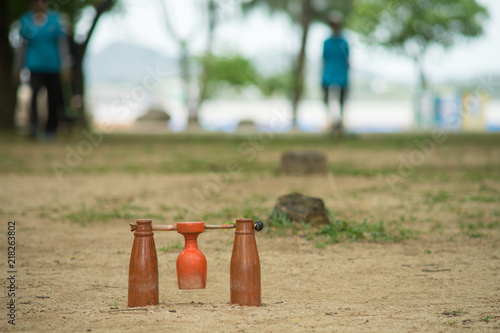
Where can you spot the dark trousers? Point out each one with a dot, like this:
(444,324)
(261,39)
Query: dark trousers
(329,93)
(52,82)
(342,95)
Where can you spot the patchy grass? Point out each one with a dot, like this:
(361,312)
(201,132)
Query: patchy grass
(280,223)
(225,215)
(339,230)
(128,212)
(352,169)
(434,198)
(168,248)
(210,152)
(454,313)
(476,229)
(114,302)
(88,215)
(446,187)
(487,319)
(483,198)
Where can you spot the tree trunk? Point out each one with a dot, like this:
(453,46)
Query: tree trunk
(7,89)
(78,52)
(205,76)
(422,81)
(298,84)
(184,60)
(78,84)
(421,88)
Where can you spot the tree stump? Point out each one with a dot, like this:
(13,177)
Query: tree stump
(303,163)
(155,114)
(155,120)
(299,207)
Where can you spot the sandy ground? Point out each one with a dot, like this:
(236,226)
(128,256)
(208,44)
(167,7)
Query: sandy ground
(73,278)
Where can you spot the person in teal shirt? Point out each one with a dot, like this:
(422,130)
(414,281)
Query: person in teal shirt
(45,53)
(336,67)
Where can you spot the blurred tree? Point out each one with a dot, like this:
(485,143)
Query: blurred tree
(207,70)
(236,71)
(281,83)
(79,42)
(186,59)
(412,26)
(10,11)
(303,13)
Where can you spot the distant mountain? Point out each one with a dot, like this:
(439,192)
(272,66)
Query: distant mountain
(126,62)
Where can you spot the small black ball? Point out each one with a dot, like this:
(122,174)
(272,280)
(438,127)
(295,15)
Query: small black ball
(258,225)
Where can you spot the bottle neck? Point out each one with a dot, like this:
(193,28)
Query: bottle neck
(244,227)
(144,228)
(191,240)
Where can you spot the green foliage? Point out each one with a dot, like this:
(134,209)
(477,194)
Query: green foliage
(294,8)
(414,25)
(302,13)
(15,9)
(237,72)
(233,70)
(278,83)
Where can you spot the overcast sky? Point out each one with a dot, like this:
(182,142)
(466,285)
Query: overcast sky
(258,34)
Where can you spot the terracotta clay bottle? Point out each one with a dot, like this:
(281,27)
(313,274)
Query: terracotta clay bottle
(191,263)
(245,266)
(143,269)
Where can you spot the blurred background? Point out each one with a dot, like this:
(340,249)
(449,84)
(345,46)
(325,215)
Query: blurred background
(223,65)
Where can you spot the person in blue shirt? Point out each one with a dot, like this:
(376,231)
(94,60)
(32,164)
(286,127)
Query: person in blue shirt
(45,53)
(335,68)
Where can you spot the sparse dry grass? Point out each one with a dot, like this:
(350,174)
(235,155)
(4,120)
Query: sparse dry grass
(74,243)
